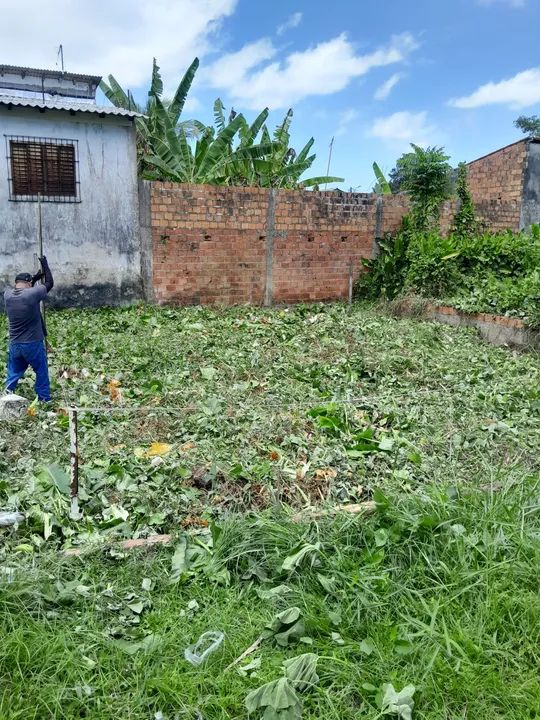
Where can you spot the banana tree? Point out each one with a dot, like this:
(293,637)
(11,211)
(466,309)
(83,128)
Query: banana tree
(382,186)
(210,159)
(148,124)
(282,167)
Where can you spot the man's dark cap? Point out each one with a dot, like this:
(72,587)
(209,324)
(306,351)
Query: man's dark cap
(23,277)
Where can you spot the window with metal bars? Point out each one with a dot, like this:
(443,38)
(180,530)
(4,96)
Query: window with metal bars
(42,168)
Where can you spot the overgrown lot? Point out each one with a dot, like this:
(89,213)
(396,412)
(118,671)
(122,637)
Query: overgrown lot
(216,426)
(483,272)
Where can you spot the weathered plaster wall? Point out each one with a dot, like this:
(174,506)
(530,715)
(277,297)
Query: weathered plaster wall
(93,246)
(530,209)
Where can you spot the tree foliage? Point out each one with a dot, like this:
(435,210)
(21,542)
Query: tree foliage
(233,152)
(465,223)
(530,125)
(426,176)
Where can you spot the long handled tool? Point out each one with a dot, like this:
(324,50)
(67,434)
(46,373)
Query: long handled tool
(40,243)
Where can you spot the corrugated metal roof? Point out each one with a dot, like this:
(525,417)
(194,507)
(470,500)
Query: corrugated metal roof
(18,101)
(49,73)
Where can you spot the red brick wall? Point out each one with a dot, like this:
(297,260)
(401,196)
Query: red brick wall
(210,244)
(496,184)
(318,237)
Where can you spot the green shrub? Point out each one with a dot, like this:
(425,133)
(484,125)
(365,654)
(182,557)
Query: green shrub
(465,224)
(433,264)
(507,254)
(385,274)
(488,272)
(503,296)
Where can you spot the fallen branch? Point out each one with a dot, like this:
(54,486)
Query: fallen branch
(366,508)
(308,514)
(127,544)
(244,655)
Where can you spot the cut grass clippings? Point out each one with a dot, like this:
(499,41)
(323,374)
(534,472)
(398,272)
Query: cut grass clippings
(439,591)
(218,427)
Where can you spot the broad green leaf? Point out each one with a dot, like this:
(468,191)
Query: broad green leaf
(301,671)
(208,373)
(147,644)
(305,551)
(179,564)
(276,700)
(382,183)
(286,627)
(55,476)
(278,591)
(136,607)
(367,646)
(396,703)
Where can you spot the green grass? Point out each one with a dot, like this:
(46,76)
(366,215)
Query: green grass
(266,410)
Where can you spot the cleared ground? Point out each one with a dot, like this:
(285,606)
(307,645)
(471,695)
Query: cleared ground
(256,410)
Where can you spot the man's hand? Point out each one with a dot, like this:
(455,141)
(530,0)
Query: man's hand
(37,277)
(43,262)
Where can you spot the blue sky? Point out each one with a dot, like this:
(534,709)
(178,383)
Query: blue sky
(375,75)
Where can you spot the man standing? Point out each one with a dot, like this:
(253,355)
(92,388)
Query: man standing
(26,330)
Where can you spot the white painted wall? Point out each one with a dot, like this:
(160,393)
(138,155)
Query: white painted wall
(93,246)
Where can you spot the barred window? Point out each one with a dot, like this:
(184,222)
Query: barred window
(43,168)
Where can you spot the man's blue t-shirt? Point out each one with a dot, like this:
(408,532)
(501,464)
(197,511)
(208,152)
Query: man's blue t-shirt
(22,308)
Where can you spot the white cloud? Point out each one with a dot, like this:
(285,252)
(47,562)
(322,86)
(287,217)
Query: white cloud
(323,69)
(345,119)
(511,3)
(192,103)
(119,37)
(384,90)
(293,21)
(402,128)
(519,91)
(231,69)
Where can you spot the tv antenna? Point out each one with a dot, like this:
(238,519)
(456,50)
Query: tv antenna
(329,160)
(60,54)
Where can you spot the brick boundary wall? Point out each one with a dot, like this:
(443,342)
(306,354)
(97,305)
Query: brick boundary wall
(208,244)
(498,330)
(496,182)
(233,245)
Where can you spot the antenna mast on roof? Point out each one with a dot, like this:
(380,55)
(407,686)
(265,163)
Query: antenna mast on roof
(60,54)
(329,160)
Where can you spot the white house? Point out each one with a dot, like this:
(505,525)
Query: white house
(79,160)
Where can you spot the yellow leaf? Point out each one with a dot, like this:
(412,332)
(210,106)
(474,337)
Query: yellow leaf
(113,386)
(157,448)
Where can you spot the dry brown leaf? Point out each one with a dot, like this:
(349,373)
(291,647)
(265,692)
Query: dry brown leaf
(325,473)
(193,521)
(113,386)
(157,449)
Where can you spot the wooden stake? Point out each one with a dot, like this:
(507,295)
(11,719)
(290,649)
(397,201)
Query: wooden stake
(74,464)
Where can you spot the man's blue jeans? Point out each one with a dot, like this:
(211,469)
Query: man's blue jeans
(33,354)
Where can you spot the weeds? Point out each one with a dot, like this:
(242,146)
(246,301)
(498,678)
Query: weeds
(259,411)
